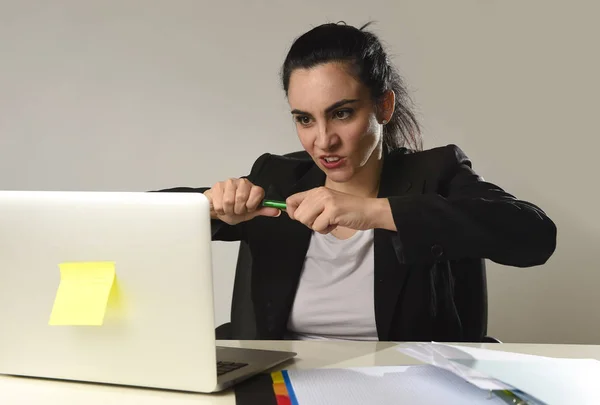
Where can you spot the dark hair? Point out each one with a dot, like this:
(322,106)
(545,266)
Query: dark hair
(367,59)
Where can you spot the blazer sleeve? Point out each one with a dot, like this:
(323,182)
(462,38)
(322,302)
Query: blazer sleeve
(471,218)
(222,231)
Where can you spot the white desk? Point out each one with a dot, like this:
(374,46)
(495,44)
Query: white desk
(16,390)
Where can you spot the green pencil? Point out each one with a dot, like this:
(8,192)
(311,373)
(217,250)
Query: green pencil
(275,204)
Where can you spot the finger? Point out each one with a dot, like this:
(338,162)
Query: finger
(293,202)
(229,197)
(290,210)
(242,193)
(296,199)
(266,212)
(216,195)
(208,195)
(307,213)
(254,199)
(322,224)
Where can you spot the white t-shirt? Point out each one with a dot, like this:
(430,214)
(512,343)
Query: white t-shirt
(334,299)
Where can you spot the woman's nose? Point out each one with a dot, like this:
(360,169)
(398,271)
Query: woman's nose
(326,138)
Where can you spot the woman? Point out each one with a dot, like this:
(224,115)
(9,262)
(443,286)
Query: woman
(380,240)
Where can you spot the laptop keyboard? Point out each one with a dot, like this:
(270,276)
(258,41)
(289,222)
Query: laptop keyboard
(227,366)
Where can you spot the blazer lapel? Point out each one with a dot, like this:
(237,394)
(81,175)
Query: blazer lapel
(390,270)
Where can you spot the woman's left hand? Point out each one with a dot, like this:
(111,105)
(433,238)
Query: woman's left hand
(323,209)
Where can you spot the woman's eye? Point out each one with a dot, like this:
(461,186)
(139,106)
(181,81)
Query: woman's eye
(342,114)
(303,119)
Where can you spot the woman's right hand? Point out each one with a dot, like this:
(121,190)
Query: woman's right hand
(237,200)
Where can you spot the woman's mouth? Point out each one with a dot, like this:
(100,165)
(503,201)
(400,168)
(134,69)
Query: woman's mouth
(332,162)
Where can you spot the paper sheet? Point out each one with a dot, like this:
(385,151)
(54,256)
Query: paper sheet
(82,296)
(466,352)
(423,385)
(439,355)
(553,381)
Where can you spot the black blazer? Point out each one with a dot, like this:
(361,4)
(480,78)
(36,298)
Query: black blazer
(430,274)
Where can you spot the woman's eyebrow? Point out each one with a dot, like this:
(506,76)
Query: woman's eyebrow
(332,107)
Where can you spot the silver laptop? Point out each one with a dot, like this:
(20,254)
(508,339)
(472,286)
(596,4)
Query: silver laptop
(158,325)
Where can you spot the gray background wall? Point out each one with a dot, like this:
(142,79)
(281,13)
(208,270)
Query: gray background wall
(139,95)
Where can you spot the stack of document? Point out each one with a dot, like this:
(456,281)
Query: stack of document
(452,375)
(423,385)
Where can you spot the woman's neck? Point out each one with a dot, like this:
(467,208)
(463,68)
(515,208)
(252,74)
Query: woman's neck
(365,182)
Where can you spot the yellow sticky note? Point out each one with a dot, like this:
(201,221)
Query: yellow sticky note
(82,295)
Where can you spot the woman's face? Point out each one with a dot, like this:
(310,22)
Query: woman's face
(335,118)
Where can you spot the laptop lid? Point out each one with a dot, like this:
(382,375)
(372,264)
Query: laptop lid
(158,324)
